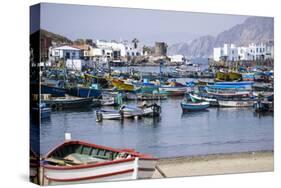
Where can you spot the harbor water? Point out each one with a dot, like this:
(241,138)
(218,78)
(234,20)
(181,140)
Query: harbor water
(174,133)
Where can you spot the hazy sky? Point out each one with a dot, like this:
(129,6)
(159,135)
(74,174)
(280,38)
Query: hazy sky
(75,21)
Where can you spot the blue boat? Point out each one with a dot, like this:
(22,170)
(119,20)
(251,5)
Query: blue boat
(45,112)
(54,91)
(84,92)
(191,106)
(235,83)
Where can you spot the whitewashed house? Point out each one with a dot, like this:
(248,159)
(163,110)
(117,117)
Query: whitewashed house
(253,52)
(64,52)
(177,58)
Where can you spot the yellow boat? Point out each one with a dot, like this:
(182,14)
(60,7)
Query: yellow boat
(121,85)
(230,76)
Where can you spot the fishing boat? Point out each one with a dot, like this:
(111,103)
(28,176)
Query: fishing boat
(83,92)
(243,83)
(53,90)
(58,103)
(173,90)
(130,111)
(108,115)
(218,91)
(122,85)
(191,106)
(152,110)
(236,102)
(197,98)
(228,76)
(81,162)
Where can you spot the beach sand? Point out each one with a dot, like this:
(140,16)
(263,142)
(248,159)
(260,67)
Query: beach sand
(215,164)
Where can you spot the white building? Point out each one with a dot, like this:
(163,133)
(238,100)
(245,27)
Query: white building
(229,52)
(64,52)
(177,58)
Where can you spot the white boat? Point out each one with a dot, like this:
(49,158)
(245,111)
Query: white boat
(108,115)
(130,111)
(236,103)
(152,110)
(80,162)
(172,91)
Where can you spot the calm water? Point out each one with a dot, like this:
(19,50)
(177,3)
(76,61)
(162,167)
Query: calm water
(216,130)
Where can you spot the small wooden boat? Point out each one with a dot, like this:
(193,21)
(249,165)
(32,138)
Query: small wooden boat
(81,162)
(152,110)
(130,111)
(108,115)
(59,103)
(173,91)
(236,103)
(197,98)
(191,106)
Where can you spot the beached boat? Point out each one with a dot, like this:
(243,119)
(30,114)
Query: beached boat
(152,110)
(130,111)
(58,103)
(108,115)
(81,162)
(236,103)
(191,106)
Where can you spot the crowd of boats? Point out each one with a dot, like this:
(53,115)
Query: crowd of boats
(86,162)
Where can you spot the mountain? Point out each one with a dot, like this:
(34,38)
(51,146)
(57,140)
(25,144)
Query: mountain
(54,37)
(253,29)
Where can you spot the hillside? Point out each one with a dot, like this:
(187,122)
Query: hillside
(254,29)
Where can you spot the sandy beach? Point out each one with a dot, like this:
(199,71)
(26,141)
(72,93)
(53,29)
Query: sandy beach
(215,164)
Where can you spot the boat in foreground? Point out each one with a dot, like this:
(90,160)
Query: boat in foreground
(81,162)
(192,106)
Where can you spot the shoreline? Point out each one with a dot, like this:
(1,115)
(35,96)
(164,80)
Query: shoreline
(215,164)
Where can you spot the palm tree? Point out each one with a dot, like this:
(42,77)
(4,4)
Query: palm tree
(135,41)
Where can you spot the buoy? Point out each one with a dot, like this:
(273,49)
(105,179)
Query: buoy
(67,136)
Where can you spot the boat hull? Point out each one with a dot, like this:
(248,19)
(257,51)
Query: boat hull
(58,104)
(194,106)
(54,91)
(231,103)
(84,92)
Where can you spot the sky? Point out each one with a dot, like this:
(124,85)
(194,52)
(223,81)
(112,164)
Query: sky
(148,26)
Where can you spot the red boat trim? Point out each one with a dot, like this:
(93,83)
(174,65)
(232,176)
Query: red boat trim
(88,165)
(146,169)
(90,177)
(135,154)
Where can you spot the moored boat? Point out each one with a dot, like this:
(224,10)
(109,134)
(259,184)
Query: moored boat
(197,98)
(191,106)
(68,102)
(108,115)
(152,110)
(236,103)
(81,162)
(130,111)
